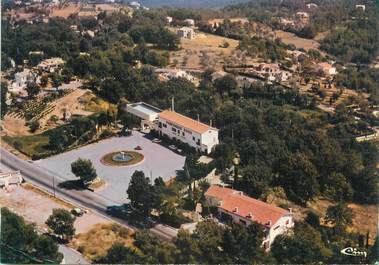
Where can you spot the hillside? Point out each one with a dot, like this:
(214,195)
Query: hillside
(191,3)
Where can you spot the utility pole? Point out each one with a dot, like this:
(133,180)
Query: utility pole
(54,185)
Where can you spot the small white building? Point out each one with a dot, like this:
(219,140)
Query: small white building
(189,22)
(201,136)
(326,68)
(361,7)
(147,113)
(234,205)
(169,20)
(186,32)
(175,73)
(135,4)
(8,178)
(50,65)
(21,79)
(312,6)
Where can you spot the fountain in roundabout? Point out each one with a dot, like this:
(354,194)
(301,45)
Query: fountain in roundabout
(122,158)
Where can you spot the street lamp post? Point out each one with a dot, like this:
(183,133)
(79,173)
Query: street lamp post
(54,185)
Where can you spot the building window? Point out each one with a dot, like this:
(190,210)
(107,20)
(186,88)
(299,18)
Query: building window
(173,129)
(198,142)
(193,138)
(160,125)
(243,222)
(287,222)
(276,227)
(165,125)
(183,134)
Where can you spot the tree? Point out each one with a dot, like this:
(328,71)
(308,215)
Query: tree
(188,249)
(243,244)
(34,125)
(58,139)
(141,193)
(226,84)
(4,91)
(120,254)
(44,80)
(304,247)
(21,244)
(299,178)
(61,222)
(32,89)
(102,119)
(339,215)
(84,170)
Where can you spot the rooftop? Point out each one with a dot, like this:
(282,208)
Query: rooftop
(236,202)
(185,122)
(144,108)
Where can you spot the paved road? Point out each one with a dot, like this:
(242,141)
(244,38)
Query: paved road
(71,256)
(87,199)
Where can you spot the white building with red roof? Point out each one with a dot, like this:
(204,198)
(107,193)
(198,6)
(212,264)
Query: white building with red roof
(199,135)
(234,205)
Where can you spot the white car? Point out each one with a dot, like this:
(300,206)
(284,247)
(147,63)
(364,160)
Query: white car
(172,147)
(156,140)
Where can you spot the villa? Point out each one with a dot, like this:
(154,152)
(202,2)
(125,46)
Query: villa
(186,32)
(50,65)
(235,206)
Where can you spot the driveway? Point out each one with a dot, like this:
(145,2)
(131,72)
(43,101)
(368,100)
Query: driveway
(159,161)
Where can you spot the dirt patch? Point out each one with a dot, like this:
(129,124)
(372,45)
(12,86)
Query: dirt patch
(205,50)
(67,104)
(100,238)
(65,12)
(306,44)
(14,126)
(36,206)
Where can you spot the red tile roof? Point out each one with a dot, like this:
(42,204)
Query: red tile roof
(185,122)
(232,199)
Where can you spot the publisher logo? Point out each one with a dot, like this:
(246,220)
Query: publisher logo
(354,252)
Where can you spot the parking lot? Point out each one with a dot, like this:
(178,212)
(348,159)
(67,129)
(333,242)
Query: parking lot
(158,161)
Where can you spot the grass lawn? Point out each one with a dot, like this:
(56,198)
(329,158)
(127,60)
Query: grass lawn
(30,144)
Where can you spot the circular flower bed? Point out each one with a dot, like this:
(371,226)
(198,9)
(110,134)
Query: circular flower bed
(122,158)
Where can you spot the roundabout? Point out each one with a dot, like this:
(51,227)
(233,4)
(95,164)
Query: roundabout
(122,158)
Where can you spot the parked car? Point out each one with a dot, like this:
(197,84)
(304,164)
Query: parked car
(77,212)
(172,147)
(138,147)
(156,140)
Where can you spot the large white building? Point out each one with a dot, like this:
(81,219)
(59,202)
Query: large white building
(196,134)
(235,206)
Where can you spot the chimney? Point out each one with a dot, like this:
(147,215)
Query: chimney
(290,209)
(198,117)
(269,222)
(235,209)
(250,215)
(210,123)
(172,104)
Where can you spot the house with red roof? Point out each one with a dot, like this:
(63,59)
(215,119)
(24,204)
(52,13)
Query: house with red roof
(235,206)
